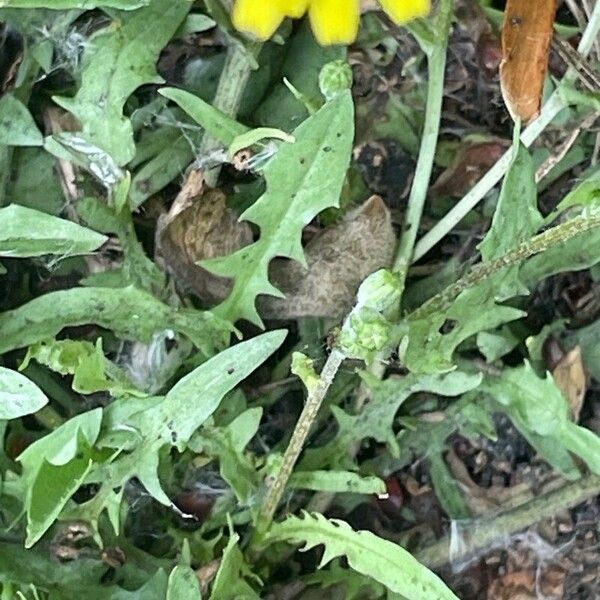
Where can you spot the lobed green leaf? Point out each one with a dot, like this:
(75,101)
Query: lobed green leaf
(192,400)
(121,58)
(384,561)
(303,179)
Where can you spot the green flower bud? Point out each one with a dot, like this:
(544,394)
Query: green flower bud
(364,335)
(335,77)
(380,291)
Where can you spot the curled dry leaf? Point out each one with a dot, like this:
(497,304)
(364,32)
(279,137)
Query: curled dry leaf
(569,375)
(206,574)
(114,557)
(67,544)
(526,37)
(200,226)
(338,260)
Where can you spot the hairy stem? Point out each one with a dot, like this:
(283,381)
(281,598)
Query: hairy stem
(536,245)
(314,400)
(488,529)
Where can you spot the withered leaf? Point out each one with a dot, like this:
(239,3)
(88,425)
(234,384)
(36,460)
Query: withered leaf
(569,375)
(338,260)
(483,500)
(471,163)
(526,37)
(203,227)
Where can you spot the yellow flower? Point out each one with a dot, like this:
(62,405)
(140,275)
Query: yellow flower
(263,17)
(333,21)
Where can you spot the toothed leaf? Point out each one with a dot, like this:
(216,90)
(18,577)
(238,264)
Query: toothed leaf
(121,58)
(384,561)
(303,179)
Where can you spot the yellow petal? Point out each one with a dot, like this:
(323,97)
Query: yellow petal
(258,17)
(402,11)
(334,21)
(294,8)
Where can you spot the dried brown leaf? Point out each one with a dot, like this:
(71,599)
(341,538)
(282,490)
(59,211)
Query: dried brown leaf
(338,259)
(529,584)
(526,36)
(471,163)
(569,375)
(206,574)
(200,226)
(482,501)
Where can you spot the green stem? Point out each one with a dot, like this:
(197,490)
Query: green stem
(316,395)
(536,245)
(436,54)
(488,529)
(228,97)
(49,418)
(555,104)
(590,35)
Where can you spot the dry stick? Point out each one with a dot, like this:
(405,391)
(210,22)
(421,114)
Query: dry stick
(488,529)
(555,104)
(437,62)
(588,76)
